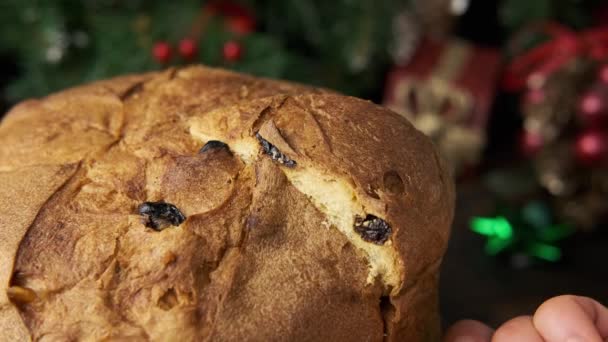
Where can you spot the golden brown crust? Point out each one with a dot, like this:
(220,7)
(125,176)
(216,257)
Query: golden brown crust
(259,257)
(23,192)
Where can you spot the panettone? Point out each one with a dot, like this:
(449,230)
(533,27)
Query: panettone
(199,204)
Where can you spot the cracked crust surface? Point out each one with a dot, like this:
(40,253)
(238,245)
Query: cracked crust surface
(266,252)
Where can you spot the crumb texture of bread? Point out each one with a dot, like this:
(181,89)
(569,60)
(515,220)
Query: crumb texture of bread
(268,250)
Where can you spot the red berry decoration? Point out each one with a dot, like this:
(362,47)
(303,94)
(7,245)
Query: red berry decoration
(534,96)
(162,52)
(187,48)
(592,147)
(592,107)
(232,51)
(602,74)
(531,143)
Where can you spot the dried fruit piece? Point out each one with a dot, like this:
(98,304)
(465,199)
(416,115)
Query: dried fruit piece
(372,229)
(158,215)
(169,258)
(274,152)
(213,144)
(131,91)
(21,295)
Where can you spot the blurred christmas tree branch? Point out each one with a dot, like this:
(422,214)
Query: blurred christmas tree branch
(60,43)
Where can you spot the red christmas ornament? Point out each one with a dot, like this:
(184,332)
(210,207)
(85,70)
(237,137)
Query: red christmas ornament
(592,107)
(592,147)
(242,24)
(187,48)
(530,143)
(161,52)
(534,96)
(232,51)
(603,74)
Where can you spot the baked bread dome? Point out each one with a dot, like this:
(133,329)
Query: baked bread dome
(200,204)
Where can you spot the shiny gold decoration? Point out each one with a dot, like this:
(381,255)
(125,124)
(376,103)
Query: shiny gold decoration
(579,192)
(549,117)
(556,169)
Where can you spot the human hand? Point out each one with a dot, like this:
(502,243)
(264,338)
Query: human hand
(564,318)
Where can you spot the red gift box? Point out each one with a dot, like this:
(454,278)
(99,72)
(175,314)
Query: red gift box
(446,91)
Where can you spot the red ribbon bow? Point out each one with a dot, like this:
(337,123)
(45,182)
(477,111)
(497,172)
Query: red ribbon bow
(535,65)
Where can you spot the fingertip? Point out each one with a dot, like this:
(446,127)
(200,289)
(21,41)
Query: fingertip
(568,317)
(468,331)
(519,328)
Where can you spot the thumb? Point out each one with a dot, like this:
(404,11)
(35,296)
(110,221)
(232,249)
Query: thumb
(573,319)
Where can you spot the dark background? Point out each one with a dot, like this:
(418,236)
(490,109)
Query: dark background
(476,286)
